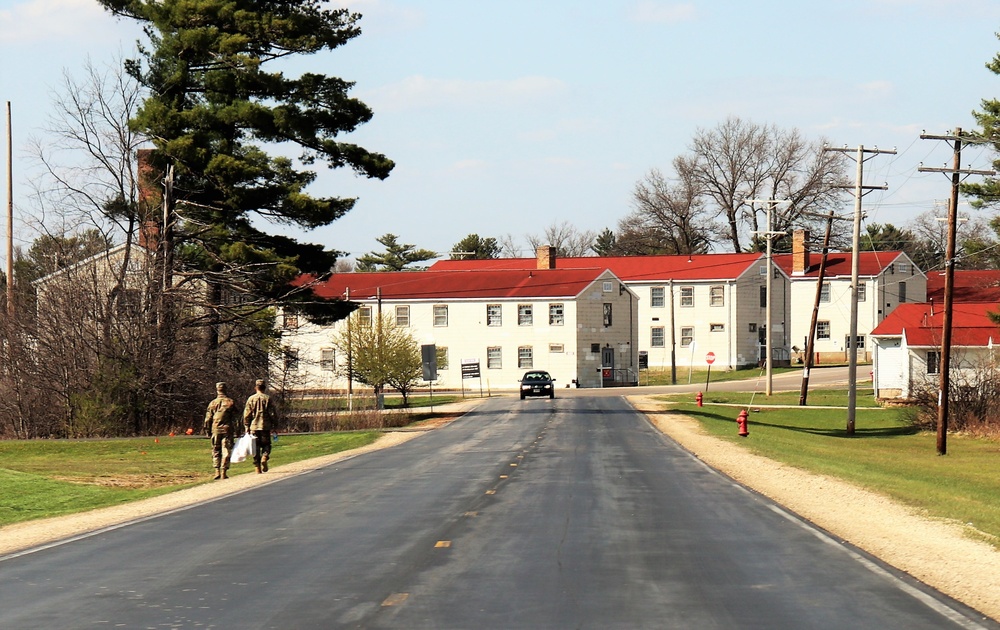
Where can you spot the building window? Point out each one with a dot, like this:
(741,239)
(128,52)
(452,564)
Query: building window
(555,315)
(441,315)
(933,362)
(595,348)
(717,296)
(824,292)
(763,297)
(525,357)
(656,337)
(687,336)
(902,292)
(717,328)
(494,315)
(365,315)
(903,268)
(687,296)
(403,316)
(290,321)
(860,344)
(524,316)
(752,327)
(862,292)
(657,297)
(607,314)
(441,357)
(607,286)
(556,348)
(763,270)
(822,330)
(327,359)
(493,358)
(291,359)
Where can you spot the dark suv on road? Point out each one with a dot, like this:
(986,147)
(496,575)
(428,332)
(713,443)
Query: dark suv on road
(537,383)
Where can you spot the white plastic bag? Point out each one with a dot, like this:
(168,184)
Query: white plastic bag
(245,447)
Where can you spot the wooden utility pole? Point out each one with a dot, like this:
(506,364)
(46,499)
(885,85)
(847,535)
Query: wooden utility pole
(810,341)
(10,219)
(769,235)
(956,172)
(860,190)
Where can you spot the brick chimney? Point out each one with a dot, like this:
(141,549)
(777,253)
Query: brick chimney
(149,199)
(546,256)
(800,252)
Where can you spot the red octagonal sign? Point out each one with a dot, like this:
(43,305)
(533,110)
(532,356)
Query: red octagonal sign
(710,358)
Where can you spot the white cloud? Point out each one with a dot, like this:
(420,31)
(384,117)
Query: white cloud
(33,21)
(663,12)
(420,92)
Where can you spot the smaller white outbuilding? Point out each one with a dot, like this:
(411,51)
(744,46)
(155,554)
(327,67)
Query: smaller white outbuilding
(908,345)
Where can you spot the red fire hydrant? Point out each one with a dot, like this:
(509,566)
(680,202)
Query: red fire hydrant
(698,398)
(741,420)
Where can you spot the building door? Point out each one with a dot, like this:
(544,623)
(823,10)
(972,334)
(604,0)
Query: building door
(607,364)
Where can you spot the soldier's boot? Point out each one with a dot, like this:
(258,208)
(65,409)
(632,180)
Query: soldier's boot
(218,474)
(263,463)
(257,468)
(225,473)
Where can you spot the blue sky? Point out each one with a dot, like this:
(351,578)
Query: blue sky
(507,117)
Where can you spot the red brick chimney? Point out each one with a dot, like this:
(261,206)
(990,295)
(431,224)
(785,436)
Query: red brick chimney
(149,195)
(800,252)
(546,256)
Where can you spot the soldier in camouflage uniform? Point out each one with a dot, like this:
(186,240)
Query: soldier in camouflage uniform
(259,419)
(220,423)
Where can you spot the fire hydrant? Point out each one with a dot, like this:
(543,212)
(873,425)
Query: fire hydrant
(698,398)
(741,420)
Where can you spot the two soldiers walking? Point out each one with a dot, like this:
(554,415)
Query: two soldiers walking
(220,423)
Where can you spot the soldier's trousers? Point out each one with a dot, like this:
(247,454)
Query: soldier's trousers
(222,448)
(263,446)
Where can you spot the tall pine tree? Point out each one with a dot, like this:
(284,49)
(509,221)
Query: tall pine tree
(218,100)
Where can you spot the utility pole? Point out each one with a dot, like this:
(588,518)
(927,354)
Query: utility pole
(673,339)
(768,234)
(956,171)
(10,219)
(810,341)
(860,190)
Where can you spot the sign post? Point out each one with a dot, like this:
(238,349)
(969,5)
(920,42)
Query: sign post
(709,359)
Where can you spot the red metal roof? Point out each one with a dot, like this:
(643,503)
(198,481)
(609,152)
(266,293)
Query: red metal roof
(922,324)
(839,263)
(631,268)
(458,285)
(971,285)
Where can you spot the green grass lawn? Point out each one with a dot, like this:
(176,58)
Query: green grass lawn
(661,376)
(43,478)
(815,398)
(886,454)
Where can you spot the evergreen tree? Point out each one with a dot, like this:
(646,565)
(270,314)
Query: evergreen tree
(987,191)
(475,247)
(215,99)
(396,257)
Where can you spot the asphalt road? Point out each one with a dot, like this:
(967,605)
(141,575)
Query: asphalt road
(565,513)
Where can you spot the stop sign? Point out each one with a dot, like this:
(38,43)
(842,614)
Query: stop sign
(710,358)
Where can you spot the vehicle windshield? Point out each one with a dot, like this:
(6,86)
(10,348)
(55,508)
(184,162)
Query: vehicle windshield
(537,376)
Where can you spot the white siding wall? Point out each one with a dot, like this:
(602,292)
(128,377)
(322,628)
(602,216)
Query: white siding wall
(563,350)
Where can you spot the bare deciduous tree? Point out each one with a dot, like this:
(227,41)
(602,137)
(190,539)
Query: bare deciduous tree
(740,161)
(667,217)
(566,238)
